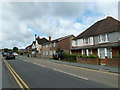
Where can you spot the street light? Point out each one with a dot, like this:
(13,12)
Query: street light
(35,44)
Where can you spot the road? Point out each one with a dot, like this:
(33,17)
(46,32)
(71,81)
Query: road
(40,73)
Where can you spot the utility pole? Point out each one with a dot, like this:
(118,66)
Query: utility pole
(35,44)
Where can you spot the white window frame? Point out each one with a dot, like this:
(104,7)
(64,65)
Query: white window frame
(105,52)
(102,37)
(50,44)
(86,40)
(46,46)
(76,42)
(54,44)
(50,53)
(46,52)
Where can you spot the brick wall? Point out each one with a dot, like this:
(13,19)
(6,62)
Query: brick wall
(88,60)
(115,50)
(113,62)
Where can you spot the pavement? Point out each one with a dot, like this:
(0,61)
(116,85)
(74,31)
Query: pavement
(89,66)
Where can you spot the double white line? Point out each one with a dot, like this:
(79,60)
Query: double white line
(16,77)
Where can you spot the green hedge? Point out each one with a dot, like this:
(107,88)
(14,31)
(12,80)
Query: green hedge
(116,56)
(70,57)
(85,56)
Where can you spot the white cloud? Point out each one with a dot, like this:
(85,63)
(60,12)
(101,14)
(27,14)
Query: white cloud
(20,21)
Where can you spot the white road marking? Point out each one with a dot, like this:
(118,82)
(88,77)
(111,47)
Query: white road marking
(41,65)
(70,74)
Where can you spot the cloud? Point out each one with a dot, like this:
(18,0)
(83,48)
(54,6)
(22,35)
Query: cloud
(21,20)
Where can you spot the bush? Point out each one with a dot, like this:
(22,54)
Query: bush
(116,56)
(85,56)
(70,57)
(92,56)
(79,56)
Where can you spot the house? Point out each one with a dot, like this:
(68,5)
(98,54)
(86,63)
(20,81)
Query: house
(101,39)
(53,46)
(28,48)
(38,45)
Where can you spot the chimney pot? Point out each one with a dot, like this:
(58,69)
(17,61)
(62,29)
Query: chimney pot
(49,38)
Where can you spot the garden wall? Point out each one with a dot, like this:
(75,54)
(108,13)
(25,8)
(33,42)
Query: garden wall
(88,60)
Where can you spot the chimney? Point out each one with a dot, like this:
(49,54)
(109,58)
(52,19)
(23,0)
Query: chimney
(38,37)
(49,38)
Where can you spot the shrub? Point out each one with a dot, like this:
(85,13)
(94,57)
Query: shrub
(70,57)
(116,56)
(79,56)
(85,56)
(92,56)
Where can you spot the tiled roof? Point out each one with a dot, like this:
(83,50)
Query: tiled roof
(41,41)
(106,25)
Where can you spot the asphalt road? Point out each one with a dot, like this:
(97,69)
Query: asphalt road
(44,74)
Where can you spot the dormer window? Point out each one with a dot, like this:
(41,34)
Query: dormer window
(103,38)
(86,40)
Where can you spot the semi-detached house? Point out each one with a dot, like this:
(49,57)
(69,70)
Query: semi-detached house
(101,39)
(51,47)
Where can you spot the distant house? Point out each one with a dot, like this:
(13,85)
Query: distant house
(28,48)
(51,47)
(38,44)
(101,39)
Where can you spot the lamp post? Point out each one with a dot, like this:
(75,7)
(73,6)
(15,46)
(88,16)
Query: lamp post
(35,44)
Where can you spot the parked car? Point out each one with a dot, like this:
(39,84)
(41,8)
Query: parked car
(10,55)
(4,54)
(15,54)
(58,56)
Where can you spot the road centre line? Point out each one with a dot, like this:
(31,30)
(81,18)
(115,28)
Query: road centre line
(17,76)
(71,74)
(20,85)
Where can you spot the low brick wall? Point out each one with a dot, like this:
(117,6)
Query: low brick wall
(113,62)
(88,60)
(43,56)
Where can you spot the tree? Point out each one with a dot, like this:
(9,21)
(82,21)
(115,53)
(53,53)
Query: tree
(5,49)
(15,49)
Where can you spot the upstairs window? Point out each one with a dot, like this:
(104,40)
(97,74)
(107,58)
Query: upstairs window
(46,46)
(86,40)
(76,42)
(103,38)
(50,44)
(54,44)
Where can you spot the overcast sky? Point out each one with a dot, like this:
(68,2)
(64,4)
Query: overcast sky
(20,21)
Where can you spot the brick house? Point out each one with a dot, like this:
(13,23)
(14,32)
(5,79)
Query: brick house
(101,39)
(28,48)
(63,43)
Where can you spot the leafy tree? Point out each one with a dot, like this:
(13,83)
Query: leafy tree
(5,49)
(15,49)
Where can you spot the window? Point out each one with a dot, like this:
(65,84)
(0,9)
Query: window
(50,44)
(54,51)
(103,38)
(43,52)
(105,52)
(76,42)
(46,46)
(87,52)
(54,44)
(46,52)
(86,40)
(50,52)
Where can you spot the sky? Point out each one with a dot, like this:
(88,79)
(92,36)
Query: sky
(20,21)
